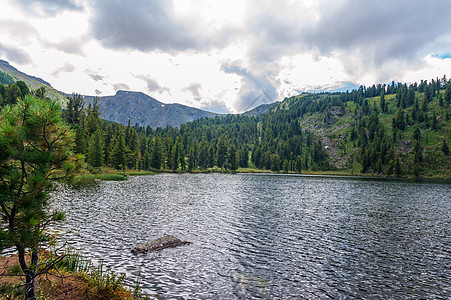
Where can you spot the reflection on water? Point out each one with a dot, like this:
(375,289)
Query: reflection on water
(265,236)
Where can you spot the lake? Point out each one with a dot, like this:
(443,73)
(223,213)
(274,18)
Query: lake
(268,236)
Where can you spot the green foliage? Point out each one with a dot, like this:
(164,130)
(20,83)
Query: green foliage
(362,130)
(95,150)
(35,151)
(118,153)
(6,78)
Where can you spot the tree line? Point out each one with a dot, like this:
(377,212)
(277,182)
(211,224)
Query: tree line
(275,140)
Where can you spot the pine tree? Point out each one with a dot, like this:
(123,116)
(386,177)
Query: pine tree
(35,151)
(221,155)
(118,154)
(398,170)
(174,162)
(244,157)
(95,150)
(156,157)
(382,102)
(191,158)
(232,157)
(445,148)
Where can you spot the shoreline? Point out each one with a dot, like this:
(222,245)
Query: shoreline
(108,174)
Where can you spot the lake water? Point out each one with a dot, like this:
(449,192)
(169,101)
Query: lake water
(269,236)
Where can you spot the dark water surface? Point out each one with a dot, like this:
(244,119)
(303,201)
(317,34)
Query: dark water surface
(269,236)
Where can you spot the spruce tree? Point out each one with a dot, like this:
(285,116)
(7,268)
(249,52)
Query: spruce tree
(156,157)
(95,150)
(118,154)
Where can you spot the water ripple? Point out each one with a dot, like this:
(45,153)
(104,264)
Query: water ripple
(268,237)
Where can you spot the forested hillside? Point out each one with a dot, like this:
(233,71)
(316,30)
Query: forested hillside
(396,130)
(9,74)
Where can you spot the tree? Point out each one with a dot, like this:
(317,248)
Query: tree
(74,112)
(35,151)
(382,102)
(191,158)
(23,88)
(95,150)
(40,92)
(12,93)
(232,157)
(92,122)
(156,156)
(448,92)
(398,170)
(118,153)
(445,148)
(244,157)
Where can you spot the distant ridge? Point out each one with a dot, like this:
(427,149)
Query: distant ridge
(145,110)
(128,105)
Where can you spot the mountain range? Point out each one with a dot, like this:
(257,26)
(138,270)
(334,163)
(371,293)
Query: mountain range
(128,105)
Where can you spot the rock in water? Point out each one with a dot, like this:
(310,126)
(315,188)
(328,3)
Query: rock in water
(167,241)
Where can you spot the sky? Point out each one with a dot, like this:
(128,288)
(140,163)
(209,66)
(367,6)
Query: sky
(225,56)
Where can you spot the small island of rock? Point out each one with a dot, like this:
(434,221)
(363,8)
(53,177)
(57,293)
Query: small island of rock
(167,241)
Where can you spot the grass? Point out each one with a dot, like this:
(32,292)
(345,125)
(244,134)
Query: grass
(80,279)
(86,178)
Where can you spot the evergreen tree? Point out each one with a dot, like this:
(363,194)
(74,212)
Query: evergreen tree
(40,92)
(445,148)
(92,122)
(244,157)
(174,162)
(383,105)
(156,157)
(221,155)
(12,94)
(118,153)
(35,151)
(191,158)
(398,170)
(95,150)
(232,157)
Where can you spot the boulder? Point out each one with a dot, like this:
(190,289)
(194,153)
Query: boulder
(167,241)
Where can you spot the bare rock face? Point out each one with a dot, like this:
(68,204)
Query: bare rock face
(167,241)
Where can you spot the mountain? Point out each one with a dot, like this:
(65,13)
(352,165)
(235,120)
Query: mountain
(145,110)
(125,105)
(9,73)
(261,109)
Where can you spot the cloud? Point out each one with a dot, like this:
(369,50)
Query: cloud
(372,33)
(154,25)
(70,45)
(143,25)
(18,30)
(378,30)
(254,90)
(67,68)
(95,77)
(121,86)
(152,84)
(17,55)
(194,89)
(49,7)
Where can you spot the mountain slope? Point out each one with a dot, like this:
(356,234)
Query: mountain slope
(32,82)
(145,110)
(261,109)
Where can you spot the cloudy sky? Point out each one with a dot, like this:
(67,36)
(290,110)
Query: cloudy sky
(225,55)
